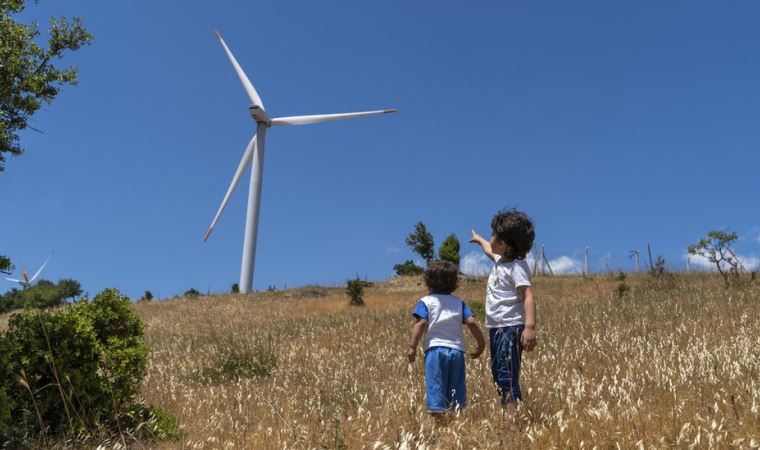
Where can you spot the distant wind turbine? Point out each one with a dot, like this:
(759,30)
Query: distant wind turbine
(254,154)
(635,254)
(25,281)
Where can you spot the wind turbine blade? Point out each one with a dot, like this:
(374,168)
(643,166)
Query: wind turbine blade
(14,280)
(249,89)
(305,120)
(36,274)
(235,180)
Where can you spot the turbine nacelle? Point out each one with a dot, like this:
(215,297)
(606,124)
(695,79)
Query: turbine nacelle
(259,115)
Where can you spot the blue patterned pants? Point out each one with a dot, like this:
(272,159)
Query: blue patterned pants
(506,354)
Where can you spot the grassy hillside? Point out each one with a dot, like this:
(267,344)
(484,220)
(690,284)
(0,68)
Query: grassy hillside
(674,362)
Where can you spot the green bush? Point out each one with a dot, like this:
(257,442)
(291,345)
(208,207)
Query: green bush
(355,291)
(70,370)
(44,294)
(449,250)
(408,268)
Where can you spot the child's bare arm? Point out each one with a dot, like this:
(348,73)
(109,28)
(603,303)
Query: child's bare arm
(472,324)
(529,334)
(478,239)
(418,329)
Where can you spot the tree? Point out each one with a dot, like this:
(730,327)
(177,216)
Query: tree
(191,293)
(449,250)
(421,242)
(29,76)
(148,295)
(69,289)
(235,288)
(6,266)
(716,248)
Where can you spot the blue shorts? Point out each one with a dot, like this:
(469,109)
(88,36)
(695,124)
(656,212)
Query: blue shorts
(506,354)
(445,387)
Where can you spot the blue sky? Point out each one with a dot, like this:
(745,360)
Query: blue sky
(612,124)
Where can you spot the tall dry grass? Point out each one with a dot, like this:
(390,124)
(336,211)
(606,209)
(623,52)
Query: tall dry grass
(674,363)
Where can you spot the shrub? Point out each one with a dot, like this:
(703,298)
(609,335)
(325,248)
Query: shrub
(148,295)
(70,370)
(408,268)
(191,293)
(449,250)
(355,291)
(478,308)
(622,287)
(235,288)
(234,364)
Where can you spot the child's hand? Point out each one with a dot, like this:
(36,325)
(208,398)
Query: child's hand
(476,238)
(528,339)
(411,354)
(476,354)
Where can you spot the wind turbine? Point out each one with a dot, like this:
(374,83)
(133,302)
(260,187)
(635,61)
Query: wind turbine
(635,254)
(25,281)
(254,154)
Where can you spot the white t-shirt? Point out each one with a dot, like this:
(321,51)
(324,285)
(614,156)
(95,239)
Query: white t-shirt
(445,314)
(504,307)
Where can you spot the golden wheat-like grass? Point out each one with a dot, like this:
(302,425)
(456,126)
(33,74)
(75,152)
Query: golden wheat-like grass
(675,363)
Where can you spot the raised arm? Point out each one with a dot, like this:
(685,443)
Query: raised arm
(472,324)
(418,329)
(484,244)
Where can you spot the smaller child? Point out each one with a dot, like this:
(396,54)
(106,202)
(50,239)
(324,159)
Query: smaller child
(439,316)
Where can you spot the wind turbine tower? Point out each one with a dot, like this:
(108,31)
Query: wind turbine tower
(254,155)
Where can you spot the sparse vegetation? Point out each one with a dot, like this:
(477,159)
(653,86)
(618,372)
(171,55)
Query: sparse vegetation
(648,371)
(355,291)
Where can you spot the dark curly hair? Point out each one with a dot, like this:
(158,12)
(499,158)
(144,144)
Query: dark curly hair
(516,229)
(441,276)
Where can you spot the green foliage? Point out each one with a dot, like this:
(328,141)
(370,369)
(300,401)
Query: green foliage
(148,295)
(43,294)
(716,248)
(236,288)
(29,76)
(191,293)
(355,291)
(73,369)
(234,364)
(421,242)
(449,250)
(478,308)
(5,265)
(155,422)
(622,287)
(408,268)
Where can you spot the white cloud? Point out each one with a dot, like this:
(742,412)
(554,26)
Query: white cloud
(748,262)
(475,264)
(562,265)
(478,264)
(393,250)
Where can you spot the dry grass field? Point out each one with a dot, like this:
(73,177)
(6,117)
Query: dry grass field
(674,363)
